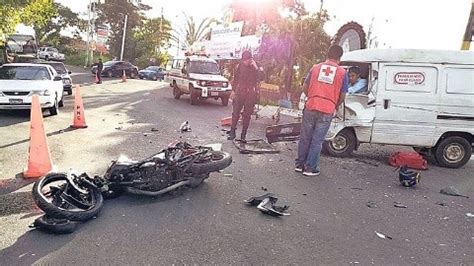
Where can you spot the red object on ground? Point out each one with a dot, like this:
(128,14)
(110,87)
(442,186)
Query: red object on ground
(410,159)
(227,121)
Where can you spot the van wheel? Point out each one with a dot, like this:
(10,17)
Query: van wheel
(176,91)
(342,145)
(194,95)
(453,152)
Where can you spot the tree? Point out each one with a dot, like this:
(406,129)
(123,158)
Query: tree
(194,31)
(149,38)
(28,12)
(64,17)
(112,13)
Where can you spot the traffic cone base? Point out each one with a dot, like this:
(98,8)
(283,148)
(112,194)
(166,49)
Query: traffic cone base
(79,119)
(124,77)
(39,158)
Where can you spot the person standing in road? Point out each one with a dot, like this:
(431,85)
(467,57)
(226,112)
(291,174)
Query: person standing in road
(326,86)
(98,74)
(244,93)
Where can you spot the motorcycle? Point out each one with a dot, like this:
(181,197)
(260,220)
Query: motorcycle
(70,198)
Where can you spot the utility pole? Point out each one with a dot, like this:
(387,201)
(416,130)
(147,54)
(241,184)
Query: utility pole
(123,37)
(88,34)
(466,44)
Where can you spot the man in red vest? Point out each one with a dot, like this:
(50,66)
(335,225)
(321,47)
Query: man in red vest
(326,86)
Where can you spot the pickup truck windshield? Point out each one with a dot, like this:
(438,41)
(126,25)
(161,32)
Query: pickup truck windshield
(60,68)
(203,67)
(24,73)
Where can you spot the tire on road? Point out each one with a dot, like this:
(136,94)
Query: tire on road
(342,145)
(56,212)
(55,226)
(220,161)
(453,152)
(193,95)
(53,110)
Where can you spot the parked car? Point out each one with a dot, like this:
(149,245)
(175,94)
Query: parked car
(199,77)
(19,81)
(116,68)
(153,73)
(63,72)
(50,53)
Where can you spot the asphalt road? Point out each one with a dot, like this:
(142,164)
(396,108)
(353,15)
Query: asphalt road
(330,221)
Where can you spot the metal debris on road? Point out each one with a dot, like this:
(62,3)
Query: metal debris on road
(228,175)
(266,204)
(470,215)
(254,201)
(452,191)
(383,236)
(357,188)
(154,129)
(440,203)
(185,127)
(399,205)
(264,188)
(371,204)
(119,128)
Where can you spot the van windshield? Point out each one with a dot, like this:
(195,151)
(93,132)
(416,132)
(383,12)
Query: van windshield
(203,67)
(24,73)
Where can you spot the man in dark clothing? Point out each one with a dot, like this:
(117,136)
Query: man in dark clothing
(100,67)
(244,92)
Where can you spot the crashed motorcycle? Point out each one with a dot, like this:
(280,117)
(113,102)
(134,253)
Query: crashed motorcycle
(70,198)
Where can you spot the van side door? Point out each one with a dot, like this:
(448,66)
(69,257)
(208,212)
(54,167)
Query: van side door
(406,104)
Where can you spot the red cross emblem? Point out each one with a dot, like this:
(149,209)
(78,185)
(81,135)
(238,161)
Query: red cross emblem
(328,71)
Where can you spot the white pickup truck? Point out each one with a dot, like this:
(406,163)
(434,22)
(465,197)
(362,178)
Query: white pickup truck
(50,53)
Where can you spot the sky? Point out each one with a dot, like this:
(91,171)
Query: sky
(423,24)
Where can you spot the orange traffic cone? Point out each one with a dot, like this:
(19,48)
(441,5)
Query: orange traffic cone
(124,77)
(39,158)
(79,120)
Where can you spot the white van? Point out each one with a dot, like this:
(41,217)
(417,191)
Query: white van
(200,77)
(418,98)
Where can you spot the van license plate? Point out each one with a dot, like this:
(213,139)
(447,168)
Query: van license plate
(214,93)
(16,101)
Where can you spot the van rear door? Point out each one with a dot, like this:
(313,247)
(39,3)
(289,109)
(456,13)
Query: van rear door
(406,105)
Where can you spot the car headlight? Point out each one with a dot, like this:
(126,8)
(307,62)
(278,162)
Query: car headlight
(1,94)
(46,92)
(202,83)
(67,81)
(225,84)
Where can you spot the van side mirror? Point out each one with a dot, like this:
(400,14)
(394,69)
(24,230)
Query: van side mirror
(57,78)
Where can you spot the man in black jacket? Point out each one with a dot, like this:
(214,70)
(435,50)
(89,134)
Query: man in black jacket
(244,92)
(100,67)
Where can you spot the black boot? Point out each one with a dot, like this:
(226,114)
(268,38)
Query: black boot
(243,135)
(231,134)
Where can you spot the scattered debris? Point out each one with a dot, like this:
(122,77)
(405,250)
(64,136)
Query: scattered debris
(304,194)
(445,218)
(154,129)
(452,191)
(357,188)
(228,175)
(119,128)
(185,127)
(367,162)
(408,159)
(254,201)
(440,203)
(371,204)
(470,215)
(383,236)
(268,206)
(407,177)
(145,134)
(264,188)
(399,205)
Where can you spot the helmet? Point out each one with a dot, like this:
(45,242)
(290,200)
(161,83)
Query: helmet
(407,177)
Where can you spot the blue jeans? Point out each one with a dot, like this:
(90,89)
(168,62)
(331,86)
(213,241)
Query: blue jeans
(314,127)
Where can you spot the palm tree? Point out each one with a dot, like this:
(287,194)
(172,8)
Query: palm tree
(193,32)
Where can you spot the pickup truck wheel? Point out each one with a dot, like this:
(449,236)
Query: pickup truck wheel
(225,100)
(342,145)
(176,91)
(46,58)
(61,103)
(453,152)
(54,109)
(194,95)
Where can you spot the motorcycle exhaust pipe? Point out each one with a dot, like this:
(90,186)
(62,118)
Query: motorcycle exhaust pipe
(137,191)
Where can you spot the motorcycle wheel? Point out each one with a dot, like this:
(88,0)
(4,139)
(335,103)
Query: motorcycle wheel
(63,201)
(55,226)
(216,161)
